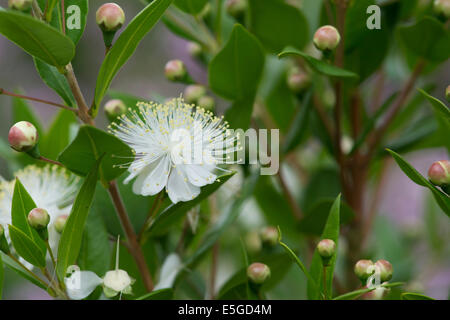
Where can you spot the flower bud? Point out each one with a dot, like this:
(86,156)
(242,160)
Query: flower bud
(21,5)
(38,218)
(110,17)
(258,273)
(298,80)
(442,7)
(326,38)
(439,173)
(116,281)
(236,8)
(206,102)
(253,242)
(175,70)
(60,223)
(194,92)
(115,108)
(23,136)
(326,249)
(269,235)
(386,270)
(194,49)
(364,269)
(447,93)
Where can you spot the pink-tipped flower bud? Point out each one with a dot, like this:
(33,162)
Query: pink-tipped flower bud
(110,17)
(115,108)
(326,248)
(21,5)
(298,80)
(236,8)
(206,102)
(23,136)
(385,269)
(326,38)
(364,269)
(38,218)
(60,223)
(442,7)
(269,236)
(447,93)
(175,70)
(258,273)
(194,92)
(439,173)
(194,49)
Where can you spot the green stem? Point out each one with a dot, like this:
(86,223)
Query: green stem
(31,273)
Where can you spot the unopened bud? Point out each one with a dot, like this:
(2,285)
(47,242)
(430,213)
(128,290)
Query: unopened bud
(194,92)
(269,235)
(442,7)
(253,242)
(326,38)
(175,70)
(439,173)
(110,17)
(115,108)
(194,49)
(385,269)
(60,223)
(38,218)
(21,5)
(447,93)
(206,102)
(258,273)
(326,249)
(117,281)
(236,8)
(364,269)
(23,136)
(298,80)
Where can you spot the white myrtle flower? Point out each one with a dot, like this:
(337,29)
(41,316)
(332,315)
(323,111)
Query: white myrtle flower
(177,146)
(51,187)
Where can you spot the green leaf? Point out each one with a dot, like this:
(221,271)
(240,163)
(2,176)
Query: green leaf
(357,293)
(49,9)
(2,277)
(162,294)
(75,20)
(234,73)
(55,80)
(125,46)
(441,198)
(414,296)
(278,25)
(191,6)
(318,65)
(331,231)
(427,38)
(174,212)
(89,144)
(26,247)
(37,38)
(19,270)
(70,242)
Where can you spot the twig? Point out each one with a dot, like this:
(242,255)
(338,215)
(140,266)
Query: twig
(83,112)
(50,161)
(212,280)
(63,14)
(31,273)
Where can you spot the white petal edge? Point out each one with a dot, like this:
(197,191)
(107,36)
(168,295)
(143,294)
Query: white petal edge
(169,271)
(80,284)
(178,186)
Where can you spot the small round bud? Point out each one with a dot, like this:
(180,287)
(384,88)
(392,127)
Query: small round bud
(447,93)
(269,235)
(326,38)
(116,281)
(38,218)
(23,136)
(110,17)
(194,49)
(385,269)
(60,223)
(194,92)
(326,248)
(298,81)
(115,108)
(21,5)
(258,273)
(439,173)
(236,8)
(206,102)
(442,7)
(175,70)
(253,242)
(364,269)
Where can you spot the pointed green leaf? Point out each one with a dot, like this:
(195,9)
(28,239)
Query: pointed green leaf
(414,296)
(162,294)
(26,247)
(19,270)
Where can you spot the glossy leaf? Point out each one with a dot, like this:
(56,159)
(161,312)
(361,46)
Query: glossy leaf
(89,145)
(125,46)
(19,270)
(191,6)
(357,293)
(26,247)
(162,294)
(70,242)
(37,38)
(414,296)
(76,14)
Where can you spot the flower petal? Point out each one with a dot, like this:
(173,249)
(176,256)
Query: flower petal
(178,186)
(169,270)
(157,179)
(200,175)
(80,284)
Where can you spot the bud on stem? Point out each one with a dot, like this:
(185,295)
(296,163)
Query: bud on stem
(439,173)
(269,236)
(236,8)
(23,136)
(39,219)
(364,269)
(326,38)
(326,249)
(442,7)
(175,71)
(60,223)
(110,18)
(21,5)
(386,270)
(114,108)
(258,273)
(194,92)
